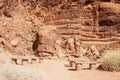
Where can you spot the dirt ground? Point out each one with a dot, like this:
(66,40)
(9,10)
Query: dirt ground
(56,70)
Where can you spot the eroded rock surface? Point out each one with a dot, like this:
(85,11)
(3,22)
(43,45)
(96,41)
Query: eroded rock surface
(59,27)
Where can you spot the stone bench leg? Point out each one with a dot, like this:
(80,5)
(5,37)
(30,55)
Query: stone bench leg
(19,61)
(78,67)
(29,61)
(14,61)
(33,61)
(24,61)
(40,60)
(71,63)
(37,60)
(91,66)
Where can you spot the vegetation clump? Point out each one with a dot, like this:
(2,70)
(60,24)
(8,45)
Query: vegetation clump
(110,61)
(21,73)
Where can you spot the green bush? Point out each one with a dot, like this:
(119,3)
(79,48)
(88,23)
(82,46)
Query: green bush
(21,73)
(111,60)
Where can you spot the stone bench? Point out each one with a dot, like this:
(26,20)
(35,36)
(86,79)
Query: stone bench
(25,59)
(78,63)
(35,60)
(21,60)
(72,60)
(16,61)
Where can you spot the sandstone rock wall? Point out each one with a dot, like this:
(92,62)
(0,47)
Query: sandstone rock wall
(76,27)
(58,26)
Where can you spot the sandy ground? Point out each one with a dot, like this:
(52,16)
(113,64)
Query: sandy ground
(56,70)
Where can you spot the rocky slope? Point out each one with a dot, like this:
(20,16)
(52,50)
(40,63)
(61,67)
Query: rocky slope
(18,25)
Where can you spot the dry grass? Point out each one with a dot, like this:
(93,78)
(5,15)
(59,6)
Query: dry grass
(111,60)
(21,73)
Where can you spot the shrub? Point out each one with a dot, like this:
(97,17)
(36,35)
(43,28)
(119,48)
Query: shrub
(21,73)
(111,60)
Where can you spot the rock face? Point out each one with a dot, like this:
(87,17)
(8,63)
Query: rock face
(58,26)
(79,26)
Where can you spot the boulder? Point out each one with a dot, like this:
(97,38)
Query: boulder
(47,39)
(14,42)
